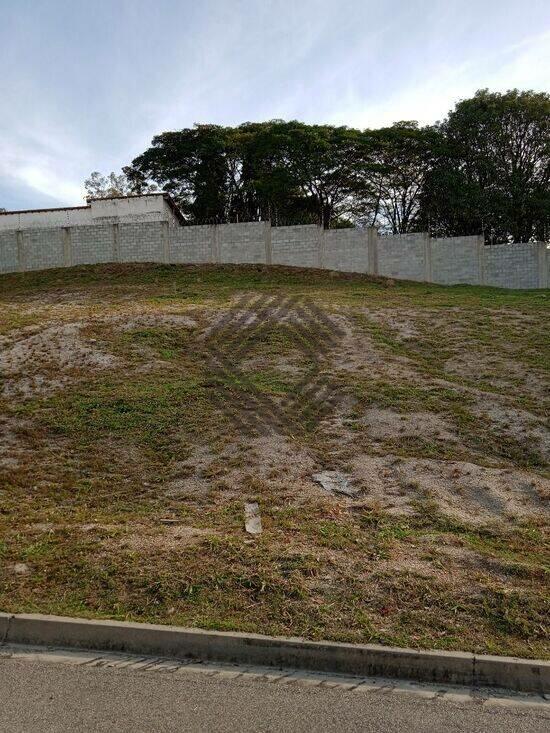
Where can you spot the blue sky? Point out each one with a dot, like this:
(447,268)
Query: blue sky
(85,85)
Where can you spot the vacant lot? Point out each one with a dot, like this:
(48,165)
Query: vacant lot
(134,426)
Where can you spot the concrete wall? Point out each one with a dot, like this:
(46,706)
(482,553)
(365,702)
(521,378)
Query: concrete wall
(193,244)
(299,246)
(8,252)
(403,256)
(46,218)
(513,265)
(91,244)
(241,243)
(410,257)
(457,260)
(132,209)
(346,249)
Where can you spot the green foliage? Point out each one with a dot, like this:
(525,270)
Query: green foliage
(492,170)
(486,167)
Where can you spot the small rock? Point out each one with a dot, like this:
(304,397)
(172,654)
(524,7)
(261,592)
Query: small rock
(335,483)
(43,527)
(252,519)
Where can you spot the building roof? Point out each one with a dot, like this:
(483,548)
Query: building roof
(39,211)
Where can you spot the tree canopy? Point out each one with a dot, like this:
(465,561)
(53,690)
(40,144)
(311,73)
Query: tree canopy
(486,167)
(491,171)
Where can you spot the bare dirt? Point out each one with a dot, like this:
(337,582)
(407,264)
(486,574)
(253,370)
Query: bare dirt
(125,462)
(42,360)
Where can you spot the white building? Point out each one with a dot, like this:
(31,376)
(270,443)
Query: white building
(114,209)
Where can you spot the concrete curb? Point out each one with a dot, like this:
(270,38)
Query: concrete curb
(365,660)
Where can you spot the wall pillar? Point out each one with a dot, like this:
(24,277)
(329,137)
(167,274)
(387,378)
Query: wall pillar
(321,248)
(116,244)
(67,247)
(542,264)
(372,250)
(215,244)
(165,241)
(481,259)
(21,259)
(268,245)
(428,274)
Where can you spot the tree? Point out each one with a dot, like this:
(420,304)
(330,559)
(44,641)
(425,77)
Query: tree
(403,157)
(492,168)
(191,164)
(266,187)
(486,167)
(98,186)
(276,168)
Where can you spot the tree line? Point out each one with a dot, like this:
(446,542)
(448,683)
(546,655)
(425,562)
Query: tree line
(484,168)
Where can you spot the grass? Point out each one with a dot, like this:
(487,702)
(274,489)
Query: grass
(93,466)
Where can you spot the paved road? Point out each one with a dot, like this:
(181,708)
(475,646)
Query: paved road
(47,692)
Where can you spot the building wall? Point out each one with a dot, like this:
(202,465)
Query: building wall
(410,257)
(129,209)
(48,218)
(132,209)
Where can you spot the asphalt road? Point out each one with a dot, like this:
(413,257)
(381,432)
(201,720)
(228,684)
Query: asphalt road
(46,696)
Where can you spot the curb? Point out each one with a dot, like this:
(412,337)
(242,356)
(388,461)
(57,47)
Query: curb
(365,660)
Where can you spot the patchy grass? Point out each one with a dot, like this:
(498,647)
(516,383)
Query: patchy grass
(126,459)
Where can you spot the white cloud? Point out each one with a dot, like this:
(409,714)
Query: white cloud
(48,182)
(524,65)
(46,171)
(134,70)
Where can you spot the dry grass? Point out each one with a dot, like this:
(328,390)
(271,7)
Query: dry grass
(123,476)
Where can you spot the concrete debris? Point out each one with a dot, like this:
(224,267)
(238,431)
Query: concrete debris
(335,483)
(252,519)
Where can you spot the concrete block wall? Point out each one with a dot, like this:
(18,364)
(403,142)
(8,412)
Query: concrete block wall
(140,242)
(92,244)
(409,257)
(346,249)
(8,252)
(243,243)
(513,266)
(456,260)
(41,249)
(403,256)
(193,244)
(299,246)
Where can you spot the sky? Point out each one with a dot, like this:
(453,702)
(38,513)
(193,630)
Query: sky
(84,86)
